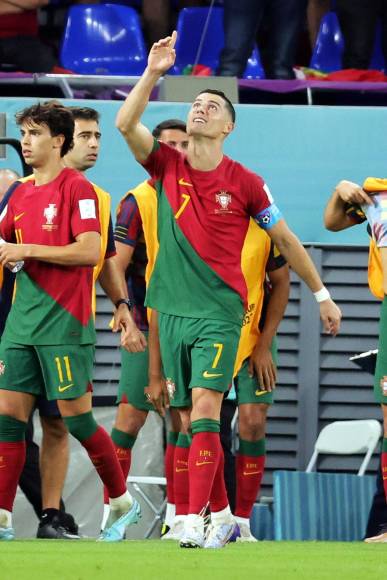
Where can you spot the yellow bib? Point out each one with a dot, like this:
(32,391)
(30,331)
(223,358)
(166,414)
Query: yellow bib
(255,253)
(375,271)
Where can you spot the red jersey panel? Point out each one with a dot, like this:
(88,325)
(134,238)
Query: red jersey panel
(212,208)
(54,214)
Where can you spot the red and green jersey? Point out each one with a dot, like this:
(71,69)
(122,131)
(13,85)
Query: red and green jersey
(52,303)
(203,217)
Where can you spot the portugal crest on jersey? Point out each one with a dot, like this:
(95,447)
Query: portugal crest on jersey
(2,367)
(50,213)
(171,387)
(223,198)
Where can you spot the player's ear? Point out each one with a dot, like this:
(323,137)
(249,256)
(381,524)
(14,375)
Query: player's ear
(58,141)
(228,127)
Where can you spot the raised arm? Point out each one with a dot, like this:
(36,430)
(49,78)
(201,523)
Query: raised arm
(138,137)
(346,192)
(297,257)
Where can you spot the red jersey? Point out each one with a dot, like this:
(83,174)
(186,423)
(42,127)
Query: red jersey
(52,303)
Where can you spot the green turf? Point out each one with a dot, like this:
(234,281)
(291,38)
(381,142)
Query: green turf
(132,560)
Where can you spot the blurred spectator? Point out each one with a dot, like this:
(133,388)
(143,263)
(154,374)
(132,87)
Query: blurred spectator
(316,10)
(7,178)
(242,20)
(20,45)
(358,20)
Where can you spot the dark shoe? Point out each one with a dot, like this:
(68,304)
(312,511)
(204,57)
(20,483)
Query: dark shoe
(53,529)
(68,523)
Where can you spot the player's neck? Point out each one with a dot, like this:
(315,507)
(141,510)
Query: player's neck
(47,173)
(204,154)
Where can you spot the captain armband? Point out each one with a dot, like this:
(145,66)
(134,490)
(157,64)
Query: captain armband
(267,218)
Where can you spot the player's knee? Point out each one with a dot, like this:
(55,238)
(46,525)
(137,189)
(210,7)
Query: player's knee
(130,420)
(252,422)
(185,421)
(206,404)
(54,428)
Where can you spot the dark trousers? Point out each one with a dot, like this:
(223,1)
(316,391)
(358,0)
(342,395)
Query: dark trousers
(358,20)
(226,416)
(242,20)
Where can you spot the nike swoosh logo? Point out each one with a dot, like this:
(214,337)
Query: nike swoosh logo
(198,463)
(260,393)
(252,472)
(208,375)
(384,478)
(62,389)
(183,182)
(18,216)
(177,470)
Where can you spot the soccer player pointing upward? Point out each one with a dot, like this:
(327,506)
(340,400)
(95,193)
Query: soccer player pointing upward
(205,201)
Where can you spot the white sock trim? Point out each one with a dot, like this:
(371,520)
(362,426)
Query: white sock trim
(169,514)
(121,502)
(5,518)
(223,516)
(245,521)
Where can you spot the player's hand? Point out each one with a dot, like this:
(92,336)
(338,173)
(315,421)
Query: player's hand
(262,365)
(132,339)
(157,394)
(330,315)
(11,253)
(351,192)
(162,54)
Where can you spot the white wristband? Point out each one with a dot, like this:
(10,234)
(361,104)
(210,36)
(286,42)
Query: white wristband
(322,294)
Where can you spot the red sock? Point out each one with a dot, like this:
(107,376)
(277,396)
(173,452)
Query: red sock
(181,480)
(249,472)
(218,498)
(384,466)
(101,451)
(169,471)
(12,458)
(124,457)
(202,465)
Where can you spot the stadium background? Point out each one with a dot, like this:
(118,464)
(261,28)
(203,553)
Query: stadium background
(302,152)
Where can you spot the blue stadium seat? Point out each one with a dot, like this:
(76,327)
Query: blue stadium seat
(329,45)
(328,50)
(190,26)
(103,39)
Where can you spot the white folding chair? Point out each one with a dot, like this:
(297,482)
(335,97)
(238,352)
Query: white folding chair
(348,438)
(138,481)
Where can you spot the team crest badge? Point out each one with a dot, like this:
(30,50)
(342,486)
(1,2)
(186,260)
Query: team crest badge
(383,385)
(50,213)
(171,388)
(223,198)
(2,367)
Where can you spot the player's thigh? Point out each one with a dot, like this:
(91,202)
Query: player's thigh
(213,354)
(175,355)
(248,389)
(67,370)
(134,379)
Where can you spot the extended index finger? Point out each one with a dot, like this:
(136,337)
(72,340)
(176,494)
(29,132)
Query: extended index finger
(173,39)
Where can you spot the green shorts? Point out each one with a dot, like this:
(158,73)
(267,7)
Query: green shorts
(196,352)
(247,388)
(133,379)
(380,381)
(56,372)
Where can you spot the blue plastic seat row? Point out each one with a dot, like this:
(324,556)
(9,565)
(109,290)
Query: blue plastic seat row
(107,39)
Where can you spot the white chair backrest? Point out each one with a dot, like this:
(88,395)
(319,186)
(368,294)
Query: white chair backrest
(347,438)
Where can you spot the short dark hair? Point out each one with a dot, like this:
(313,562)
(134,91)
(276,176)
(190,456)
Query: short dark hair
(84,113)
(229,105)
(57,118)
(169,124)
